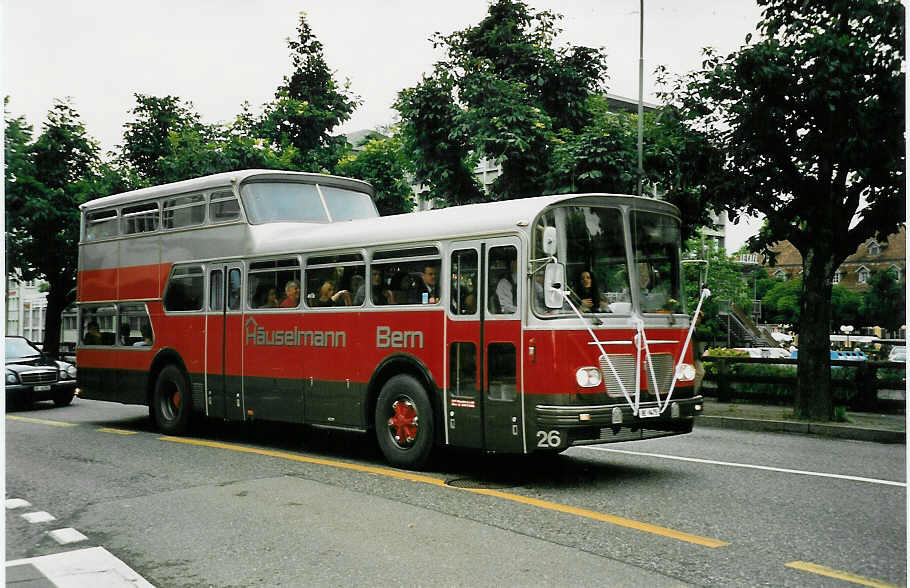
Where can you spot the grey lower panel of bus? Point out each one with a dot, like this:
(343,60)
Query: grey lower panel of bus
(328,403)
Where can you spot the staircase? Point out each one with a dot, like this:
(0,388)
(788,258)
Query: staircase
(743,332)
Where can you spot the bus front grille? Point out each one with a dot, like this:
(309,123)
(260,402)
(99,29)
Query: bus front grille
(624,365)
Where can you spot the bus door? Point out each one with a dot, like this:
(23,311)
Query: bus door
(224,342)
(483,337)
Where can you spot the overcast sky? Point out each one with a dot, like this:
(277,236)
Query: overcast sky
(219,53)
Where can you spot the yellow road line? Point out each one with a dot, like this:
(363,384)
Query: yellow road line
(40,421)
(832,573)
(544,504)
(117,431)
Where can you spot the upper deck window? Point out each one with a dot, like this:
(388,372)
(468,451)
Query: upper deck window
(142,218)
(99,225)
(223,206)
(184,211)
(346,204)
(270,202)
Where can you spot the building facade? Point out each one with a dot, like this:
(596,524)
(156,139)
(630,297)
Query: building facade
(854,272)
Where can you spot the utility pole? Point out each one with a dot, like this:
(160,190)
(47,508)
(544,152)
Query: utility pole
(641,75)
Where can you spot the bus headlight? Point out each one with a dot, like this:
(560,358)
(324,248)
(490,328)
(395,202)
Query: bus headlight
(588,377)
(685,372)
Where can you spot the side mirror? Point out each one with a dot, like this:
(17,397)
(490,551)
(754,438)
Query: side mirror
(554,281)
(549,240)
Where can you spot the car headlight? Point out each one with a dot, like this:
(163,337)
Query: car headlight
(685,372)
(71,371)
(11,377)
(588,377)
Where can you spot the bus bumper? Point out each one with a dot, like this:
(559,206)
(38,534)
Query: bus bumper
(612,423)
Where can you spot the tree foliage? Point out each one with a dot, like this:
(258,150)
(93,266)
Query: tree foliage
(884,302)
(46,180)
(723,278)
(502,92)
(810,118)
(147,137)
(381,162)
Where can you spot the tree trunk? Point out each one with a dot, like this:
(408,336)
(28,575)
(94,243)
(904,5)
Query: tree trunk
(813,387)
(56,302)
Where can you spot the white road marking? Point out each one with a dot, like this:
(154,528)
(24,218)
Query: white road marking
(752,466)
(38,517)
(67,535)
(94,566)
(12,503)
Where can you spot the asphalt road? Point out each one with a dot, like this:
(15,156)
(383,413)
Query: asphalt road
(264,504)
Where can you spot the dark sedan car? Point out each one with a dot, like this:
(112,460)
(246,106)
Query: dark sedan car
(31,375)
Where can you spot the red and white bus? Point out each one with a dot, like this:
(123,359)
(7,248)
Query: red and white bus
(510,327)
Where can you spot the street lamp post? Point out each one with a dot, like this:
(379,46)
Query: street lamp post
(641,75)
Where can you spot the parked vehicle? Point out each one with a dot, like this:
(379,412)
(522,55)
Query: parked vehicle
(851,355)
(898,354)
(32,376)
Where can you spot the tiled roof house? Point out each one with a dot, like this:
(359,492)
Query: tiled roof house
(854,272)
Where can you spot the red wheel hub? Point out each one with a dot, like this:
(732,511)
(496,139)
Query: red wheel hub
(403,424)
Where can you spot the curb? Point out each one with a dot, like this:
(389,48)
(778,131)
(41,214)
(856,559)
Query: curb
(803,428)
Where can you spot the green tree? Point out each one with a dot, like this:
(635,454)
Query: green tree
(147,138)
(382,163)
(308,106)
(810,118)
(884,303)
(781,302)
(46,181)
(723,278)
(502,92)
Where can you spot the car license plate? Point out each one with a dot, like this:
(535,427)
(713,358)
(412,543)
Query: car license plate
(648,412)
(42,388)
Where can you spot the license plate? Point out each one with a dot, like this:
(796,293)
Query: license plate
(42,388)
(648,412)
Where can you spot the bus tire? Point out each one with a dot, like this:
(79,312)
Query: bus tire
(404,422)
(171,401)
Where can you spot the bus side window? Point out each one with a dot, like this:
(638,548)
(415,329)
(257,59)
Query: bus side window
(501,358)
(464,282)
(98,324)
(185,288)
(502,280)
(223,206)
(216,290)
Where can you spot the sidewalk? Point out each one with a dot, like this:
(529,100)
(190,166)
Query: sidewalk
(860,426)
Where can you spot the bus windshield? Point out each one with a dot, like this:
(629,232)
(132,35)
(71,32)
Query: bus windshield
(655,239)
(592,247)
(270,202)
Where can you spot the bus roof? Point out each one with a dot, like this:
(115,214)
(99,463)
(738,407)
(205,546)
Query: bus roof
(464,222)
(224,180)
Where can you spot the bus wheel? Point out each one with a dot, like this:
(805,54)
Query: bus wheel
(171,403)
(404,422)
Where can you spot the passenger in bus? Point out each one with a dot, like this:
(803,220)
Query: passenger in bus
(292,295)
(271,299)
(507,291)
(125,334)
(146,330)
(92,335)
(378,293)
(587,294)
(329,297)
(427,290)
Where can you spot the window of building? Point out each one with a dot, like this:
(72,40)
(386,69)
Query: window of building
(895,272)
(873,248)
(779,274)
(836,278)
(272,283)
(862,275)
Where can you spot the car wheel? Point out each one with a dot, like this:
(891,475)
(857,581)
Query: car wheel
(63,398)
(404,423)
(171,402)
